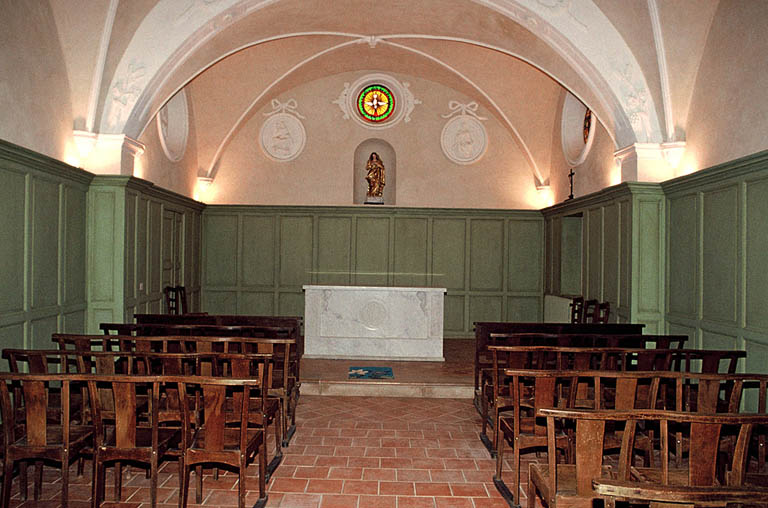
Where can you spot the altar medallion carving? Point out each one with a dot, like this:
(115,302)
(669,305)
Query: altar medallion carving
(373,314)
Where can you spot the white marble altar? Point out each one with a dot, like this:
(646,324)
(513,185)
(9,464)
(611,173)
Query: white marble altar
(373,323)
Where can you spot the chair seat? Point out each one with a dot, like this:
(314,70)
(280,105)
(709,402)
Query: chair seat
(166,438)
(79,437)
(566,480)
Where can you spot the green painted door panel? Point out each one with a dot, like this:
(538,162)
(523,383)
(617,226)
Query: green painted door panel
(756,361)
(103,265)
(756,256)
(12,337)
(713,340)
(220,248)
(410,252)
(334,251)
(449,245)
(525,255)
(720,262)
(13,197)
(41,331)
(295,251)
(74,322)
(372,251)
(625,261)
(650,266)
(142,267)
(570,240)
(683,264)
(45,243)
(487,244)
(258,251)
(167,256)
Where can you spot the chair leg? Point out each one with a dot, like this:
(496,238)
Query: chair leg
(241,483)
(499,459)
(23,480)
(7,479)
(531,492)
(263,468)
(199,484)
(183,482)
(516,471)
(153,480)
(118,481)
(65,480)
(38,479)
(100,478)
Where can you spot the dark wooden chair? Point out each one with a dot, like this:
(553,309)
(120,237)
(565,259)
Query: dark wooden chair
(603,312)
(132,437)
(577,309)
(36,438)
(220,437)
(176,300)
(572,484)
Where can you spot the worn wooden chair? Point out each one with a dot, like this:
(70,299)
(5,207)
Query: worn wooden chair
(131,437)
(590,311)
(176,300)
(572,484)
(577,309)
(36,438)
(219,437)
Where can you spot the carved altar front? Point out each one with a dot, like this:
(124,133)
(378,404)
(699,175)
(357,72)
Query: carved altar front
(373,323)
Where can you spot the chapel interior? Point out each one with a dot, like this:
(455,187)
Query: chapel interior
(535,150)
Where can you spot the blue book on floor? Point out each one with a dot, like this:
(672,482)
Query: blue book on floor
(371,373)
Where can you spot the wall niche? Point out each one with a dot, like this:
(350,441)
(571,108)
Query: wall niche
(387,155)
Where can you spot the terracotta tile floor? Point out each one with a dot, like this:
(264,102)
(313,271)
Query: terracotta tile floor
(360,452)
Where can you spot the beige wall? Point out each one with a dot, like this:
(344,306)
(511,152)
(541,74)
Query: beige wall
(34,87)
(729,110)
(322,174)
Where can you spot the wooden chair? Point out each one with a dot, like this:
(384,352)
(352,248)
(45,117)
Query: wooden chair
(176,300)
(577,309)
(131,437)
(603,312)
(519,426)
(590,311)
(214,438)
(698,484)
(36,438)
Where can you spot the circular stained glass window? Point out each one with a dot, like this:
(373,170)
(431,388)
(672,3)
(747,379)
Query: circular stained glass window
(375,103)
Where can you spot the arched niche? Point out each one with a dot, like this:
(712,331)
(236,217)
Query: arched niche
(387,155)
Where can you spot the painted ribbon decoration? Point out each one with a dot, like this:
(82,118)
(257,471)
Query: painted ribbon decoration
(288,106)
(463,109)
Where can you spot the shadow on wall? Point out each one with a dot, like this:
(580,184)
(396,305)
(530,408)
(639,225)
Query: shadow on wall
(387,155)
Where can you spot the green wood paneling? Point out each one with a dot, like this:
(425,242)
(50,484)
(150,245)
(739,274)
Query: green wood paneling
(756,255)
(525,256)
(650,266)
(378,246)
(625,259)
(220,254)
(156,247)
(411,252)
(683,261)
(334,257)
(449,253)
(295,251)
(720,254)
(45,243)
(611,252)
(487,243)
(372,251)
(258,263)
(594,254)
(131,289)
(13,196)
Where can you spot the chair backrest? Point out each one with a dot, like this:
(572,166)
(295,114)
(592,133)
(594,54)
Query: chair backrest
(176,300)
(577,309)
(590,311)
(703,430)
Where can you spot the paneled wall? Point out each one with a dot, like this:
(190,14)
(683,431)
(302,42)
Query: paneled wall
(256,259)
(143,239)
(42,248)
(717,242)
(609,246)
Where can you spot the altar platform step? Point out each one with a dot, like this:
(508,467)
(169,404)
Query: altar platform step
(449,379)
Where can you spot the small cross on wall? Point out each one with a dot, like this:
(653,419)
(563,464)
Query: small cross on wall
(570,179)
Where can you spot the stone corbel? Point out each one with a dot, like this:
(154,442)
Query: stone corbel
(649,162)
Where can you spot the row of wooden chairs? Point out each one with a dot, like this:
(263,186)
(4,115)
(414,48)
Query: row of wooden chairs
(589,311)
(129,419)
